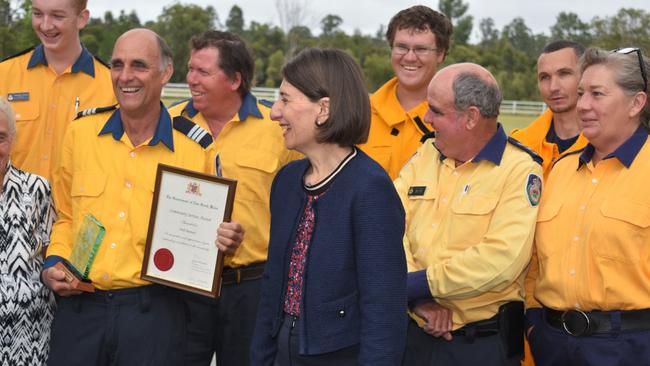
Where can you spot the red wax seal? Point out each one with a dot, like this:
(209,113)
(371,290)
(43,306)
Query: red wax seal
(163,259)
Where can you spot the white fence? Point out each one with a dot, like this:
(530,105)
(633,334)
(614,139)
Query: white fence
(181,91)
(514,107)
(521,107)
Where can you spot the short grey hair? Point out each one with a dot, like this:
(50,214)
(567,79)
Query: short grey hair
(5,107)
(626,70)
(166,55)
(470,89)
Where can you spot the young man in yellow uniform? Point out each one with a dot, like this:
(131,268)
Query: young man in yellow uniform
(419,41)
(249,147)
(48,84)
(556,133)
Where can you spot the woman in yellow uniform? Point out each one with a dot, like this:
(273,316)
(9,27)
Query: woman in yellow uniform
(593,229)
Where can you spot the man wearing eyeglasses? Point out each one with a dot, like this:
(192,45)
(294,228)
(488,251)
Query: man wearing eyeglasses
(556,133)
(419,41)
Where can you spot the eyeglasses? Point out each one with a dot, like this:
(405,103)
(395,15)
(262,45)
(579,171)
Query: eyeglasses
(627,51)
(402,49)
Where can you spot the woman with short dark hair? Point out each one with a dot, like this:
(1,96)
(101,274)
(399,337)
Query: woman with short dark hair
(334,288)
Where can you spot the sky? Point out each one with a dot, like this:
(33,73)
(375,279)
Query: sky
(368,15)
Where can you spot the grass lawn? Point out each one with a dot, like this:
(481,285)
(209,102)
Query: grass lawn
(511,121)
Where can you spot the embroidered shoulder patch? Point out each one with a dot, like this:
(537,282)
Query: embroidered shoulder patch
(533,189)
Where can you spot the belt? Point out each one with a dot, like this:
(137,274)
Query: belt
(580,323)
(481,328)
(236,275)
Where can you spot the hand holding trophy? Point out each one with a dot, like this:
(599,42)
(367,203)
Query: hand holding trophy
(86,245)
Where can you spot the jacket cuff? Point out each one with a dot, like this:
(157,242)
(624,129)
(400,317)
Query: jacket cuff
(51,260)
(418,286)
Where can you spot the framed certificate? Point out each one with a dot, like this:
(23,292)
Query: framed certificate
(186,212)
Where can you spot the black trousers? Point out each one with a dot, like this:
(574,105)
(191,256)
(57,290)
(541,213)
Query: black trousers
(287,355)
(223,326)
(425,350)
(554,347)
(137,326)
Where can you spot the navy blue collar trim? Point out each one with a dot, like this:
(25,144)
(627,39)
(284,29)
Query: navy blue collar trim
(162,134)
(189,108)
(493,150)
(84,63)
(248,108)
(626,153)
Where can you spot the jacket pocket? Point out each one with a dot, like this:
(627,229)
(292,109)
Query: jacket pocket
(88,184)
(546,239)
(475,205)
(471,216)
(255,171)
(340,316)
(26,111)
(627,225)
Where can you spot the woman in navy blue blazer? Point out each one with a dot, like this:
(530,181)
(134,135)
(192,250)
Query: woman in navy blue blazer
(334,287)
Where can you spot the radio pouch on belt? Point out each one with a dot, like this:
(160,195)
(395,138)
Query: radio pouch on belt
(511,328)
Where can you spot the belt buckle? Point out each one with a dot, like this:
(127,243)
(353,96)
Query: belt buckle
(575,314)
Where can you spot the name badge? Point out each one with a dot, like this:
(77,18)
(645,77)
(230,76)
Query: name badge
(417,191)
(18,97)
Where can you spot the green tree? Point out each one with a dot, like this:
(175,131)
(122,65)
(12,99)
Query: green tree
(489,33)
(235,21)
(569,26)
(264,39)
(15,27)
(455,10)
(300,37)
(629,27)
(99,35)
(377,70)
(273,75)
(330,24)
(177,24)
(522,38)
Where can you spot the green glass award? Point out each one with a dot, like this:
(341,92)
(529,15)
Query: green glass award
(85,247)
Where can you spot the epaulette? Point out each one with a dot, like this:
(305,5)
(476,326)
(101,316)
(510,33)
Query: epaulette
(102,61)
(193,131)
(568,154)
(426,136)
(178,102)
(19,53)
(96,110)
(526,149)
(418,121)
(266,103)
